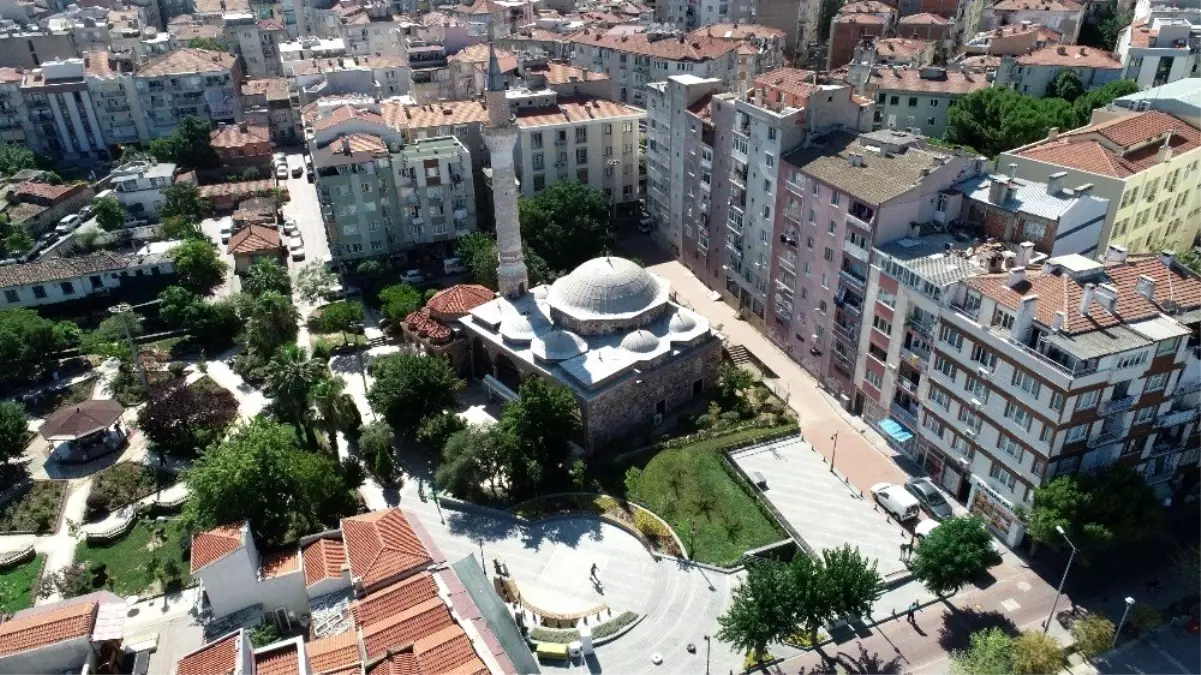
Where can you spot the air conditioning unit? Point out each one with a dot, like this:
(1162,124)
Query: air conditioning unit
(977,404)
(970,432)
(983,371)
(658,419)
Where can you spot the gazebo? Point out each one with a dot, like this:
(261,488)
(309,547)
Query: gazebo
(87,429)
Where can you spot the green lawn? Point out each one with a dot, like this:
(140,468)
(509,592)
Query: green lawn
(689,486)
(16,585)
(125,560)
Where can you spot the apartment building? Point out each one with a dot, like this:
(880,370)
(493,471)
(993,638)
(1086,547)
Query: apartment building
(1027,374)
(265,102)
(926,26)
(373,76)
(919,99)
(854,23)
(1033,73)
(904,52)
(589,140)
(256,41)
(1065,17)
(140,185)
(382,196)
(1181,99)
(467,70)
(65,123)
(118,108)
(16,125)
(1144,163)
(688,15)
(1016,40)
(797,19)
(188,83)
(22,46)
(842,194)
(1162,47)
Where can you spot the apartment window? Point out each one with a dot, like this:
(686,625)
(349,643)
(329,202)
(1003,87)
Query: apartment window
(1144,414)
(1002,476)
(581,175)
(832,227)
(767,186)
(886,298)
(825,280)
(536,140)
(1018,415)
(829,254)
(608,129)
(11,296)
(813,216)
(1132,360)
(809,243)
(1157,381)
(1002,319)
(608,151)
(771,133)
(376,245)
(875,379)
(39,292)
(1076,433)
(1009,445)
(821,306)
(1088,399)
(67,287)
(366,187)
(944,366)
(1057,400)
(1026,382)
(817,190)
(1167,346)
(627,127)
(976,388)
(881,325)
(983,356)
(581,134)
(835,198)
(1044,436)
(894,100)
(538,165)
(581,155)
(373,226)
(933,424)
(971,420)
(951,336)
(941,397)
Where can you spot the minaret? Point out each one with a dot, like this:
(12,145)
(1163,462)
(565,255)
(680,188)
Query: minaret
(501,136)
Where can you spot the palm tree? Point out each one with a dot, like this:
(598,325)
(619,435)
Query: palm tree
(335,409)
(291,375)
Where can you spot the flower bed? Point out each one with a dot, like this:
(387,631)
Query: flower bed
(123,484)
(35,511)
(629,516)
(599,632)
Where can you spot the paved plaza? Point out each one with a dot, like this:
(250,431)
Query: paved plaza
(819,506)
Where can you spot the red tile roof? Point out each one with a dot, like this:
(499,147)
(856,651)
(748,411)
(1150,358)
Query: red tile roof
(333,654)
(459,299)
(557,72)
(901,47)
(43,190)
(282,661)
(280,563)
(187,61)
(477,55)
(859,19)
(406,627)
(246,187)
(254,238)
(911,80)
(924,18)
(1038,5)
(867,7)
(98,64)
(736,31)
(324,559)
(424,325)
(11,75)
(209,547)
(394,599)
(233,136)
(793,81)
(572,110)
(382,545)
(215,658)
(270,25)
(346,113)
(44,628)
(448,651)
(1104,148)
(1070,56)
(1063,293)
(689,48)
(434,114)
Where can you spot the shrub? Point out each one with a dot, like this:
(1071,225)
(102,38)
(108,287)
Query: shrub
(750,663)
(613,625)
(322,349)
(1093,634)
(434,430)
(730,417)
(68,582)
(560,636)
(1143,619)
(263,635)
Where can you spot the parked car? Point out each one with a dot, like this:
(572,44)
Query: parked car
(279,158)
(281,172)
(453,266)
(68,223)
(902,505)
(929,497)
(413,277)
(290,227)
(227,231)
(298,253)
(295,243)
(297,171)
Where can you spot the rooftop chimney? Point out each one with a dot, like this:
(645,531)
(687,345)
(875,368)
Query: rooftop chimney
(1055,182)
(1052,133)
(1165,150)
(1082,190)
(1016,276)
(1145,287)
(996,191)
(1025,318)
(345,145)
(1058,321)
(1087,298)
(1115,254)
(1013,170)
(1025,254)
(1167,258)
(1107,296)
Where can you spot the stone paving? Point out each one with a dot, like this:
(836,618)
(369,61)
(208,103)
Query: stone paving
(825,511)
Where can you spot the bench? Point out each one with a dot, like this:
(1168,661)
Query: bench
(551,650)
(758,479)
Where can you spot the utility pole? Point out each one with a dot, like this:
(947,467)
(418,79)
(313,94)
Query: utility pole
(834,452)
(119,310)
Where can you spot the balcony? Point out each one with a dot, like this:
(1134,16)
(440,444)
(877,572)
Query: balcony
(1116,405)
(925,329)
(853,281)
(734,251)
(1105,438)
(859,223)
(1175,417)
(844,332)
(1188,387)
(908,385)
(904,414)
(738,176)
(460,214)
(915,357)
(788,265)
(855,251)
(796,189)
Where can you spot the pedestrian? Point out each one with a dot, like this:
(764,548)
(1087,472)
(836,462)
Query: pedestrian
(595,569)
(912,609)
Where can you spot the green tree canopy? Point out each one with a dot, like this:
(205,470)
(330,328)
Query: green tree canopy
(1191,259)
(17,242)
(109,339)
(372,274)
(539,426)
(290,379)
(762,609)
(314,280)
(472,459)
(995,119)
(270,322)
(259,474)
(180,227)
(189,146)
(1098,98)
(183,419)
(478,252)
(1036,653)
(211,44)
(182,199)
(1096,511)
(1066,86)
(408,388)
(110,215)
(266,275)
(14,431)
(341,317)
(212,324)
(852,582)
(198,265)
(990,653)
(28,343)
(1093,635)
(14,158)
(398,301)
(336,410)
(958,550)
(566,224)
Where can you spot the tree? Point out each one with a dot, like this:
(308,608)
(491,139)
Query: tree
(827,12)
(953,554)
(761,611)
(478,253)
(408,388)
(198,265)
(18,242)
(990,653)
(1112,26)
(376,445)
(182,199)
(1093,635)
(341,317)
(290,379)
(566,224)
(314,281)
(71,581)
(14,431)
(383,467)
(371,275)
(811,594)
(110,215)
(1096,511)
(995,119)
(14,158)
(436,429)
(190,146)
(336,410)
(210,44)
(472,457)
(184,419)
(258,474)
(398,301)
(266,275)
(212,324)
(1191,259)
(110,340)
(1084,106)
(180,227)
(731,380)
(28,343)
(538,427)
(852,582)
(1036,653)
(270,321)
(1066,86)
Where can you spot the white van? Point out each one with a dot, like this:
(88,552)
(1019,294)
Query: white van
(68,223)
(453,266)
(895,500)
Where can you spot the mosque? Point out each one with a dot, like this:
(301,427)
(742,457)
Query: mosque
(608,331)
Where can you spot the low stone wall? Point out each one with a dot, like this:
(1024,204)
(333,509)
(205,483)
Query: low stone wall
(15,559)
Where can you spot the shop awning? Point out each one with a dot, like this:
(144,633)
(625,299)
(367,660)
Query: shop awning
(895,430)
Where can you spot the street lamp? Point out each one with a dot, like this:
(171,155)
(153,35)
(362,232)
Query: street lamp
(708,648)
(126,308)
(1116,633)
(834,453)
(1047,623)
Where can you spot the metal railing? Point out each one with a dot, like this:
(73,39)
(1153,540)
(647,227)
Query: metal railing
(1116,405)
(1105,438)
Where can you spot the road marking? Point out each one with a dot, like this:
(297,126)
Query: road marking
(1010,605)
(1171,659)
(1024,586)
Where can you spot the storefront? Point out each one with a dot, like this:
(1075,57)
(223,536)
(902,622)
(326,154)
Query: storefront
(949,471)
(997,512)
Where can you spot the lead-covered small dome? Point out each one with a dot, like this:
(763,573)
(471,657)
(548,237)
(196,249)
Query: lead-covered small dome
(558,345)
(518,328)
(640,342)
(681,323)
(606,286)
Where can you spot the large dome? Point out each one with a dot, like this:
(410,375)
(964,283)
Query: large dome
(606,287)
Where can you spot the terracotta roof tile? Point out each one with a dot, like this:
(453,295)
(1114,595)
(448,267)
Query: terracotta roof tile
(793,81)
(274,88)
(477,55)
(99,64)
(910,79)
(1063,293)
(382,545)
(11,75)
(254,238)
(270,25)
(187,61)
(43,628)
(421,323)
(324,559)
(448,651)
(1103,148)
(190,31)
(279,564)
(406,627)
(246,187)
(867,7)
(344,114)
(59,269)
(571,110)
(922,19)
(1070,56)
(691,48)
(209,547)
(43,190)
(859,19)
(557,72)
(459,299)
(282,661)
(215,658)
(737,31)
(901,47)
(394,599)
(434,115)
(333,654)
(1039,5)
(232,136)
(397,663)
